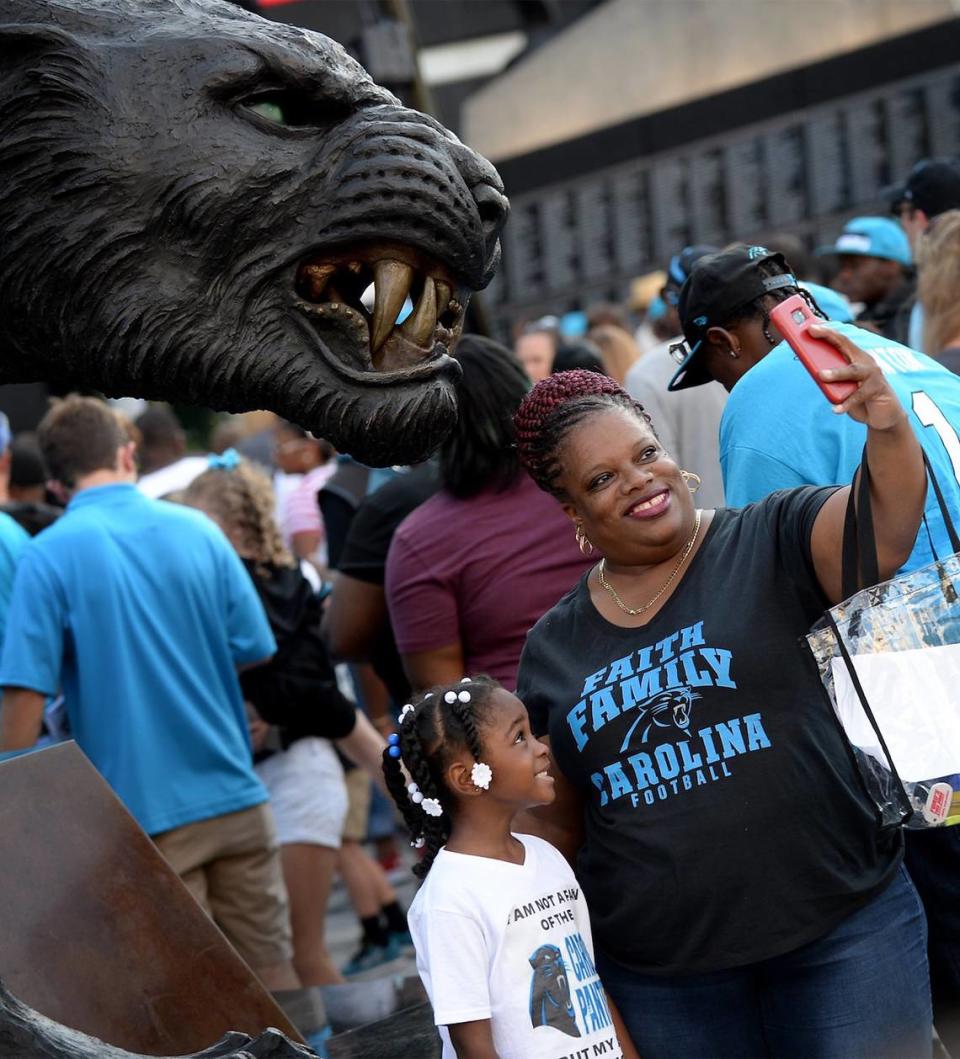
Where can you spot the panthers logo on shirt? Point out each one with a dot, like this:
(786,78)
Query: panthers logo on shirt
(670,708)
(550,1001)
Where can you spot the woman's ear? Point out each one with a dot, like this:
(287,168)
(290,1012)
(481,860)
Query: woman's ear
(459,778)
(571,512)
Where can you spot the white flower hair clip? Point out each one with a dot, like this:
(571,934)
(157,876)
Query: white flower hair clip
(414,791)
(481,774)
(408,709)
(431,807)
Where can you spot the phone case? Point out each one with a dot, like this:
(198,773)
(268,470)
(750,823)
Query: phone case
(792,318)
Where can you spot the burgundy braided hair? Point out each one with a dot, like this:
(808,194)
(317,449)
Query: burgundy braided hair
(552,408)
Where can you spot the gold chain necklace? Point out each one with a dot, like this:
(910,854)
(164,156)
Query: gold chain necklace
(634,611)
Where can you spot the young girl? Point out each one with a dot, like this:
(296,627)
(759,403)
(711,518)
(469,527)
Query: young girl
(500,926)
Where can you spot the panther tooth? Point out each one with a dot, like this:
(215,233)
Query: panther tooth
(420,326)
(392,280)
(444,294)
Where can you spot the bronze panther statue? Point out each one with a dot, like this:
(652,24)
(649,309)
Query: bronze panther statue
(198,205)
(26,1034)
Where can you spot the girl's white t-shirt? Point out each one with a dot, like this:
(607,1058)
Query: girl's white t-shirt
(512,943)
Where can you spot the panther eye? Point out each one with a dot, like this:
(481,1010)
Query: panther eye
(297,110)
(268,109)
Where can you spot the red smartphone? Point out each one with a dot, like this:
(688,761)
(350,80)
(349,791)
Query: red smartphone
(793,318)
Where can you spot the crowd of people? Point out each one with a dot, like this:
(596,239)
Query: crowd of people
(555,669)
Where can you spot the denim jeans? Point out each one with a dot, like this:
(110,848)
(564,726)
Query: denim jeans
(933,860)
(860,992)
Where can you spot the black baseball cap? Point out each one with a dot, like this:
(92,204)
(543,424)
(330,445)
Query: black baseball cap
(932,186)
(681,265)
(717,288)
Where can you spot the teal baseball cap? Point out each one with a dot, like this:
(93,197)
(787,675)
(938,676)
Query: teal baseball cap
(872,237)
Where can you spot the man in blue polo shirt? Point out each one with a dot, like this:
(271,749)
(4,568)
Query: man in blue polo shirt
(724,310)
(142,613)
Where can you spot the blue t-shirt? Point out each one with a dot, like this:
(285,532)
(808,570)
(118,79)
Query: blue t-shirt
(142,610)
(779,431)
(13,538)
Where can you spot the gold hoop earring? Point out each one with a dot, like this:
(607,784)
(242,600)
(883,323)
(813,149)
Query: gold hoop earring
(583,542)
(689,477)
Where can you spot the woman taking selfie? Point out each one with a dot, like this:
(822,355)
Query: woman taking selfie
(744,902)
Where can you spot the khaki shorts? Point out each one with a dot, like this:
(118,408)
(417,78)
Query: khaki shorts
(358,805)
(231,866)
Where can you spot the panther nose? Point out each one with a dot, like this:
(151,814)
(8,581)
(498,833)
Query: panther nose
(493,208)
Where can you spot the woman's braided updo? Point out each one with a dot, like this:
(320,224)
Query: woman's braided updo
(430,736)
(552,408)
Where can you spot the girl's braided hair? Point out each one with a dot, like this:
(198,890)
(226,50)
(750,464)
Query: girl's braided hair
(556,405)
(241,499)
(430,736)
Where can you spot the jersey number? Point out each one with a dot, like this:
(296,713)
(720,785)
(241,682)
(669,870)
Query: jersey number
(930,415)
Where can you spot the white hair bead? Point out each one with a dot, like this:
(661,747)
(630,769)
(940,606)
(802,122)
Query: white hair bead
(451,696)
(464,696)
(416,797)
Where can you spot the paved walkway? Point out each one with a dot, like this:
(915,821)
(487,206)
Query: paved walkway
(343,928)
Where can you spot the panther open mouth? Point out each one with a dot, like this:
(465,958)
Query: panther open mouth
(353,297)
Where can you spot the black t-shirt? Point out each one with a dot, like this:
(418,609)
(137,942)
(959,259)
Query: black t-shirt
(364,557)
(364,554)
(725,821)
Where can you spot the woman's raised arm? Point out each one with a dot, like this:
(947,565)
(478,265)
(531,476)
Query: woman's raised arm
(898,481)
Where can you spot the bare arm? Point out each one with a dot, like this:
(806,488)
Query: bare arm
(21,714)
(898,481)
(442,665)
(364,747)
(561,822)
(304,546)
(355,613)
(473,1040)
(623,1036)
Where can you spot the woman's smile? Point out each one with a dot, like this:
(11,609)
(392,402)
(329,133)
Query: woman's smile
(651,506)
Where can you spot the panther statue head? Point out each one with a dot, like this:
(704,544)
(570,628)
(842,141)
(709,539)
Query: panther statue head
(200,205)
